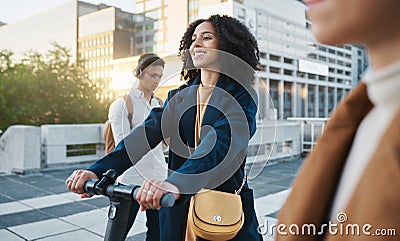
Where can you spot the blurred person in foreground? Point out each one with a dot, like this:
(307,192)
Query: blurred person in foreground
(352,177)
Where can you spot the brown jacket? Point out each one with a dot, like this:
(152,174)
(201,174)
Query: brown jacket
(375,203)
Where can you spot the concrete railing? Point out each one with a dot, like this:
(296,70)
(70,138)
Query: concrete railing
(274,140)
(69,144)
(310,130)
(20,149)
(29,148)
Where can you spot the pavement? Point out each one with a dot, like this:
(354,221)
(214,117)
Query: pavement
(38,206)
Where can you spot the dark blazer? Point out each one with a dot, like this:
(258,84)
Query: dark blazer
(218,162)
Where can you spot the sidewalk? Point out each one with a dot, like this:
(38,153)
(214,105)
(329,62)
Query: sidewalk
(39,207)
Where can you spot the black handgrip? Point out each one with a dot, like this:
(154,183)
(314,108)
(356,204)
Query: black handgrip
(89,186)
(167,200)
(124,192)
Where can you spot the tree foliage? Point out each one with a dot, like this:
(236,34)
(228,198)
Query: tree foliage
(47,89)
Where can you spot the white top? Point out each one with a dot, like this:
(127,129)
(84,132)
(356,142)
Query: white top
(383,88)
(152,165)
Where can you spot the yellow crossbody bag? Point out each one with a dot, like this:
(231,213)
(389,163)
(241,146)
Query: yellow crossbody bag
(215,215)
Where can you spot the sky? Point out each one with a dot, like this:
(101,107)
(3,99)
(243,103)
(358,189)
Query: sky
(14,10)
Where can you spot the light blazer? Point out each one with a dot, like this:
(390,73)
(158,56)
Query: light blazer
(376,199)
(176,119)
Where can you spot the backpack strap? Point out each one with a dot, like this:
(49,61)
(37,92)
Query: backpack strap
(129,105)
(160,101)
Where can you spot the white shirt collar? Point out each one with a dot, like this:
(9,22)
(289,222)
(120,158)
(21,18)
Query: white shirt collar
(383,86)
(136,93)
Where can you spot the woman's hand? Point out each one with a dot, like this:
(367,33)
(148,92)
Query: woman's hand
(77,179)
(151,192)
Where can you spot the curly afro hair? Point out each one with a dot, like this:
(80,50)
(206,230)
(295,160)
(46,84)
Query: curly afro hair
(234,38)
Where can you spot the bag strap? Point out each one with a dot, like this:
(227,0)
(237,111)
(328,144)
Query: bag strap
(197,128)
(243,181)
(160,101)
(129,105)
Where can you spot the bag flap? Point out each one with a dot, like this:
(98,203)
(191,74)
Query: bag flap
(218,208)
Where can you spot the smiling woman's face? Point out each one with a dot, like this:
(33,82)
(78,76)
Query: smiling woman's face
(204,44)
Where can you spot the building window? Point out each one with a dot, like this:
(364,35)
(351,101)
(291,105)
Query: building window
(275,58)
(274,70)
(312,56)
(321,108)
(331,99)
(287,100)
(311,102)
(300,74)
(311,76)
(288,61)
(139,29)
(287,72)
(274,93)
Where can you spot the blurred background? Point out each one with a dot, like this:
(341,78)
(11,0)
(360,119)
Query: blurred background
(65,61)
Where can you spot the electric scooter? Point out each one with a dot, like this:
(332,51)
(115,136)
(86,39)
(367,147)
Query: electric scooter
(121,198)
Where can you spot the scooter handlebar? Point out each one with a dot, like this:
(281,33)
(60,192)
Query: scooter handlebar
(124,192)
(166,201)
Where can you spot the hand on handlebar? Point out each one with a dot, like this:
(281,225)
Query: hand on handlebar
(77,179)
(152,191)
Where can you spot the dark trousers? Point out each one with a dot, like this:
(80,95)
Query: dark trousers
(152,223)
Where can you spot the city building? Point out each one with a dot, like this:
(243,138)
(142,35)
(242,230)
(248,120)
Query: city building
(107,33)
(94,33)
(38,32)
(298,77)
(171,22)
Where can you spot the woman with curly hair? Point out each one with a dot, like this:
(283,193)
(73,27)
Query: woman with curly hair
(209,122)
